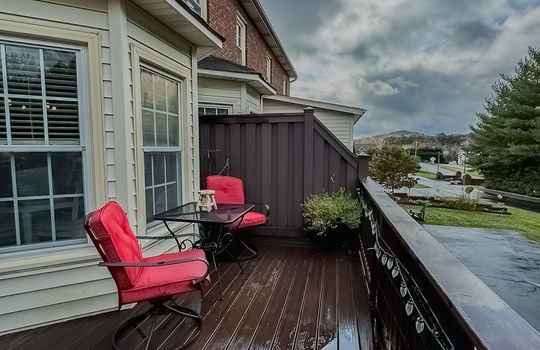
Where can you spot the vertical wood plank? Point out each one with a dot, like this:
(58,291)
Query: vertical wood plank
(282,173)
(308,151)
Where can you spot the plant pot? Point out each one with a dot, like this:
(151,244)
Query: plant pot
(336,238)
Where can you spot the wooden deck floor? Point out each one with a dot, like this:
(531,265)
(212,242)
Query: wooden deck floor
(291,296)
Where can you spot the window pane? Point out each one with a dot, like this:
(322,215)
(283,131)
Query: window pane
(160,94)
(222,111)
(26,116)
(172,97)
(35,221)
(32,174)
(148,128)
(172,167)
(1,76)
(60,73)
(159,168)
(63,121)
(3,131)
(149,205)
(147,169)
(174,132)
(7,228)
(161,129)
(23,70)
(68,218)
(172,196)
(160,199)
(201,111)
(67,172)
(147,94)
(5,175)
(210,111)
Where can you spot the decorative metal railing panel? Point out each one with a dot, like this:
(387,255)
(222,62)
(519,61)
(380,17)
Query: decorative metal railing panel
(421,296)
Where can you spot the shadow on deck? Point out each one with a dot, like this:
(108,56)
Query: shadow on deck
(291,296)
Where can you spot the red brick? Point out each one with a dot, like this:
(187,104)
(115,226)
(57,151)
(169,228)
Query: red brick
(222,16)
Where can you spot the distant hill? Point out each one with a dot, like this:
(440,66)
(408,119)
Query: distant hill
(449,145)
(379,139)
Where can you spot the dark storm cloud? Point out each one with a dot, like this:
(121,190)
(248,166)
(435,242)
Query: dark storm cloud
(423,65)
(474,33)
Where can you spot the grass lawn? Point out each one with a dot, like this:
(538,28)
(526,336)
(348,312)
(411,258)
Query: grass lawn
(425,174)
(523,221)
(421,186)
(460,168)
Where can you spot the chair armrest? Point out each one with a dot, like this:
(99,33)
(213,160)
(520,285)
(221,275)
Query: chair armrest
(264,206)
(171,236)
(151,264)
(181,244)
(159,263)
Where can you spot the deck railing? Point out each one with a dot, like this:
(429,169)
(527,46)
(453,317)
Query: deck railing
(421,296)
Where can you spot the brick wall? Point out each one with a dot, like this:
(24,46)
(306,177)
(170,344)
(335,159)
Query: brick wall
(222,16)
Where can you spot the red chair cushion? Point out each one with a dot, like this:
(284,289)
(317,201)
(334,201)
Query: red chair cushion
(162,281)
(116,242)
(229,190)
(253,218)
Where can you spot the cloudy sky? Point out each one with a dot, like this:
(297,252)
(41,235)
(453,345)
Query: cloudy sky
(420,65)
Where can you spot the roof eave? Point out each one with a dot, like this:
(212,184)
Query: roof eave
(177,16)
(356,111)
(252,79)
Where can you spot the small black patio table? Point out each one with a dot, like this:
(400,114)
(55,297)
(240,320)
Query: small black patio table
(214,238)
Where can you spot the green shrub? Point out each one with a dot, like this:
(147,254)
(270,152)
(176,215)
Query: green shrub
(326,211)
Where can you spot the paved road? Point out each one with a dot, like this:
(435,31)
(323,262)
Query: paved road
(433,168)
(503,259)
(439,188)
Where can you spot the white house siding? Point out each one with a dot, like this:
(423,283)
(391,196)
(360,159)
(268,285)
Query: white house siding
(243,98)
(221,92)
(49,285)
(339,123)
(253,100)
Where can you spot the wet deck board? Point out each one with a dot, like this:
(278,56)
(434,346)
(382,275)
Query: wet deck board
(291,296)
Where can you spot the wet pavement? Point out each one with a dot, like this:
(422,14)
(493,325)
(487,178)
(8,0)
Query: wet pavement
(503,259)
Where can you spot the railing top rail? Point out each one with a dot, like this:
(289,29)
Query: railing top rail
(489,319)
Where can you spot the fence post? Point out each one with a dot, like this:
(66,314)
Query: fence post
(363,164)
(308,151)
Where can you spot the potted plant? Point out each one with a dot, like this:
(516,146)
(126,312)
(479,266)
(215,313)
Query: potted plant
(330,218)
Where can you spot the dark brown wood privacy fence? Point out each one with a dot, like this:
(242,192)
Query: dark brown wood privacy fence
(282,158)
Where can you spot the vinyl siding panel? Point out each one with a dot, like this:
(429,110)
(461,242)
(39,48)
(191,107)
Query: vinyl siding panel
(341,124)
(253,100)
(224,92)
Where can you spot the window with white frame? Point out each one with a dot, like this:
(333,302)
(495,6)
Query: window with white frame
(198,6)
(214,109)
(42,152)
(162,145)
(194,5)
(284,80)
(268,68)
(241,39)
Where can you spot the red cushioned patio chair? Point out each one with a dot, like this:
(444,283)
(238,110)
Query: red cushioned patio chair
(153,279)
(230,190)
